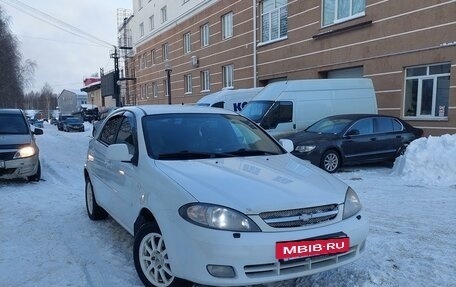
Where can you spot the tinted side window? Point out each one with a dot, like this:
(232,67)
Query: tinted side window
(383,125)
(109,132)
(363,127)
(126,134)
(397,126)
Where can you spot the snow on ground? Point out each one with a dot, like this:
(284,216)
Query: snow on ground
(46,238)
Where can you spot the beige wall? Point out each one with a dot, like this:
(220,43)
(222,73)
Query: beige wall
(391,36)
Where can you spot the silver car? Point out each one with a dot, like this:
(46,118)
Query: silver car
(19,154)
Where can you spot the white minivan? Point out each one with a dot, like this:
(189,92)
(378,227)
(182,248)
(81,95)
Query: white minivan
(233,100)
(286,107)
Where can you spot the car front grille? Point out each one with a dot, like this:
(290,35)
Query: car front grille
(300,217)
(303,266)
(7,155)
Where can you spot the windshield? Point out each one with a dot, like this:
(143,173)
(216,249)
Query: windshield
(196,136)
(255,110)
(13,124)
(73,121)
(329,126)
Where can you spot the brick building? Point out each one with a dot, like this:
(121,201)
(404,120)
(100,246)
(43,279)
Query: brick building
(408,49)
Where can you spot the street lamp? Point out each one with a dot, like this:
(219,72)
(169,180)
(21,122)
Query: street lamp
(168,70)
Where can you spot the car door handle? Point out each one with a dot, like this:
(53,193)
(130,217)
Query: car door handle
(373,139)
(398,137)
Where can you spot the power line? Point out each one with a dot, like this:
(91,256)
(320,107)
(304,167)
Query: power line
(57,23)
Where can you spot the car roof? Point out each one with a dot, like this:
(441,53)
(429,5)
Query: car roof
(11,111)
(355,117)
(172,109)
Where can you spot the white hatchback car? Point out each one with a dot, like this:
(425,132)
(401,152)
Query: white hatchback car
(211,198)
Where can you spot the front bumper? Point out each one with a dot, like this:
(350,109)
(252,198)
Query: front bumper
(252,255)
(76,129)
(19,168)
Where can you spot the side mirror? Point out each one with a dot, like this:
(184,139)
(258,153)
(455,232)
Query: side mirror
(118,152)
(287,144)
(353,132)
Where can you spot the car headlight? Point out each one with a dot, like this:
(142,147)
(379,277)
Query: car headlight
(305,148)
(25,152)
(217,217)
(352,205)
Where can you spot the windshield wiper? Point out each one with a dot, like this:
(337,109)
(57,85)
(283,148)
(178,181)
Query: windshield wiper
(251,152)
(185,154)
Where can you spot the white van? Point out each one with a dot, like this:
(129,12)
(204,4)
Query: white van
(284,108)
(233,100)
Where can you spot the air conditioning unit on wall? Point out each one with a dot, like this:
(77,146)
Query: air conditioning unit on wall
(194,62)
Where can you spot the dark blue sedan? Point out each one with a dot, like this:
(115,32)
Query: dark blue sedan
(353,139)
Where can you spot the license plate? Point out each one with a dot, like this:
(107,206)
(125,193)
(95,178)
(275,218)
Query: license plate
(309,248)
(2,164)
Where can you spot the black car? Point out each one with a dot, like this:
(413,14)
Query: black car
(353,139)
(61,120)
(73,124)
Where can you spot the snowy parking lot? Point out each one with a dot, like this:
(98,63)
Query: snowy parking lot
(46,238)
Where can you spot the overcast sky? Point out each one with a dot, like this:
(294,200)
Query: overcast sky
(63,59)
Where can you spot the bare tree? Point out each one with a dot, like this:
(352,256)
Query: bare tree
(11,77)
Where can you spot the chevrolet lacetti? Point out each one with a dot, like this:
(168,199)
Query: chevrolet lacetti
(211,198)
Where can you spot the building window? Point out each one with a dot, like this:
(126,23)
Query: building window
(274,20)
(153,57)
(143,92)
(140,4)
(228,76)
(165,87)
(165,51)
(164,16)
(188,84)
(205,81)
(141,29)
(151,22)
(148,90)
(336,11)
(155,89)
(227,25)
(187,43)
(205,35)
(427,91)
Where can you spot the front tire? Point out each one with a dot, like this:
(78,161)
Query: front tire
(94,211)
(151,259)
(37,175)
(330,161)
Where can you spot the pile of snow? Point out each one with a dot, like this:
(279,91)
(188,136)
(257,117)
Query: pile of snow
(430,161)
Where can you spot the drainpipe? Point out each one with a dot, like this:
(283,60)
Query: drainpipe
(254,44)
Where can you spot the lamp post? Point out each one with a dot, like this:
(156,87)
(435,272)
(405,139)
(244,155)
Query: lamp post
(168,70)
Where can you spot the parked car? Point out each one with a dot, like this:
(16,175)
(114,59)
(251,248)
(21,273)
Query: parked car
(19,154)
(213,199)
(353,139)
(61,120)
(39,124)
(73,125)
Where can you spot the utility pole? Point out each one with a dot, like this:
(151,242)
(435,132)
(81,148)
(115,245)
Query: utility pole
(115,56)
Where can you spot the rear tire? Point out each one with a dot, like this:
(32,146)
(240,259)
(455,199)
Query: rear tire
(330,161)
(94,211)
(151,259)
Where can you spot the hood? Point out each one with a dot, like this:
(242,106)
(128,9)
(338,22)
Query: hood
(256,184)
(11,140)
(314,138)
